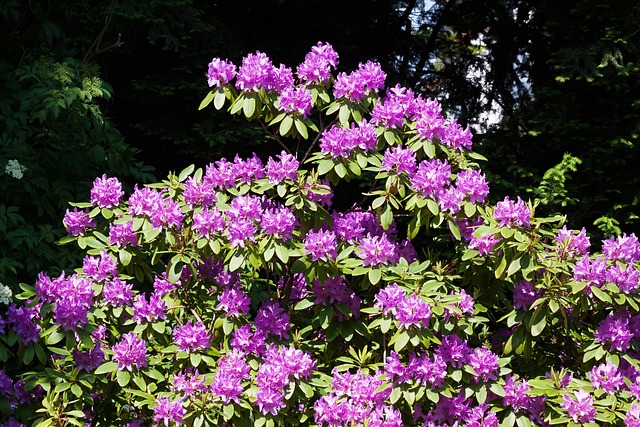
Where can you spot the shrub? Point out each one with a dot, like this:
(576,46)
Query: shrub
(245,293)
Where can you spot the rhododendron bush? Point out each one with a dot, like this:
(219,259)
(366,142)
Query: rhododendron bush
(245,294)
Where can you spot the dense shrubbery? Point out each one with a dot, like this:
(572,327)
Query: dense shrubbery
(55,139)
(242,295)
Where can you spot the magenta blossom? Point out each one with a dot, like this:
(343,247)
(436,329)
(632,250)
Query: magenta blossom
(106,192)
(191,337)
(509,213)
(581,408)
(130,352)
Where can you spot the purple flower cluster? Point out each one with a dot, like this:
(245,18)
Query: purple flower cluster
(398,159)
(391,111)
(425,369)
(622,248)
(273,320)
(117,292)
(208,222)
(15,395)
(409,310)
(281,364)
(78,222)
(220,72)
(258,73)
(130,352)
(517,398)
(377,250)
(525,294)
(356,399)
(339,142)
(73,297)
(473,184)
(232,371)
(605,376)
(484,363)
(318,64)
(334,290)
(88,360)
(161,211)
(122,234)
(248,341)
(509,213)
(191,337)
(448,411)
(295,100)
(484,244)
(149,311)
(285,168)
(279,222)
(106,192)
(354,86)
(431,177)
(199,193)
(569,244)
(167,412)
(579,406)
(320,245)
(617,330)
(464,305)
(234,301)
(100,268)
(189,382)
(24,322)
(632,418)
(453,350)
(597,272)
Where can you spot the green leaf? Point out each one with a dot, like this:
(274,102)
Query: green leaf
(401,340)
(228,411)
(301,128)
(539,320)
(125,257)
(106,368)
(249,107)
(344,114)
(139,381)
(501,267)
(375,274)
(513,267)
(206,101)
(186,172)
(237,260)
(195,359)
(303,304)
(386,217)
(600,294)
(219,100)
(28,355)
(325,166)
(455,230)
(282,253)
(123,377)
(285,125)
(76,390)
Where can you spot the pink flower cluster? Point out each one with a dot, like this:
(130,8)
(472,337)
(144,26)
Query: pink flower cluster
(356,399)
(408,310)
(354,86)
(342,142)
(509,213)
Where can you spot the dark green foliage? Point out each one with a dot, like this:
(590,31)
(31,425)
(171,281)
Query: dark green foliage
(53,126)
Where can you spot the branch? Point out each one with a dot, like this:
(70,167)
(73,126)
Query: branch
(95,48)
